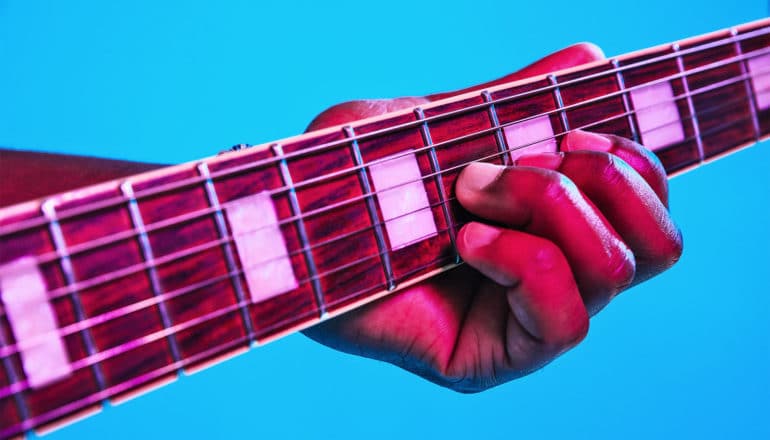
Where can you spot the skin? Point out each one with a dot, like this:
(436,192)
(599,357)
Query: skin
(560,236)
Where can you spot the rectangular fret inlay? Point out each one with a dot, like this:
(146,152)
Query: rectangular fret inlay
(43,355)
(759,68)
(261,246)
(657,115)
(402,198)
(530,136)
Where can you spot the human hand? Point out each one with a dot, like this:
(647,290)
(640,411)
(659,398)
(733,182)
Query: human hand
(571,231)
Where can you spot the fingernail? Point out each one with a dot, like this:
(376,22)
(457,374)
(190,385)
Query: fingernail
(478,175)
(477,235)
(540,160)
(583,140)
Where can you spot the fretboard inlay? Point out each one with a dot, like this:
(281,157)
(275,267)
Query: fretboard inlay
(33,322)
(657,115)
(403,200)
(261,246)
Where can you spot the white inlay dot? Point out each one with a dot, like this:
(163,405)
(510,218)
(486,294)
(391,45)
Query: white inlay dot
(402,199)
(759,68)
(261,247)
(530,137)
(657,115)
(33,322)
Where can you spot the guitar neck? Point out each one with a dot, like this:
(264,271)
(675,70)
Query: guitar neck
(132,282)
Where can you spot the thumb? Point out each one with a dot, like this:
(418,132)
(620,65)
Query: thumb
(571,56)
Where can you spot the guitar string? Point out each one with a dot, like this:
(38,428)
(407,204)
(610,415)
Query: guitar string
(124,386)
(26,224)
(9,350)
(139,267)
(134,232)
(100,319)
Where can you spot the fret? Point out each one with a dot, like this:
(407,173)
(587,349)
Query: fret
(690,105)
(12,377)
(148,256)
(530,123)
(626,105)
(744,69)
(718,90)
(436,169)
(664,123)
(499,138)
(219,218)
(597,103)
(65,263)
(372,208)
(277,314)
(345,254)
(300,225)
(412,207)
(559,102)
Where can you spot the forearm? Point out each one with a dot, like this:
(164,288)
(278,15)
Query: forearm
(26,175)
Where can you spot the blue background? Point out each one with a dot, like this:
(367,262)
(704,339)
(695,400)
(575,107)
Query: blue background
(685,355)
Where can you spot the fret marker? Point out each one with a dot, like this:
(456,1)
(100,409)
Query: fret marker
(530,137)
(402,199)
(43,355)
(759,67)
(261,247)
(657,115)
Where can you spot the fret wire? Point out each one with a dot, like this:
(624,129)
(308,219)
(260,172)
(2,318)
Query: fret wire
(63,291)
(219,218)
(747,86)
(147,255)
(626,104)
(82,363)
(363,178)
(182,326)
(559,102)
(499,138)
(301,231)
(13,377)
(159,372)
(690,105)
(26,224)
(427,140)
(65,263)
(161,224)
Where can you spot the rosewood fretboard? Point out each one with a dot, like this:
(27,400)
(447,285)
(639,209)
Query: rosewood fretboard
(159,274)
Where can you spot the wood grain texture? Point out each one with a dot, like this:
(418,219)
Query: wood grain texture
(195,282)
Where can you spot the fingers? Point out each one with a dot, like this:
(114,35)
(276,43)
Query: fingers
(541,291)
(346,112)
(547,204)
(642,160)
(571,56)
(625,200)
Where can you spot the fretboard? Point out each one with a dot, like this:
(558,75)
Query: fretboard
(115,288)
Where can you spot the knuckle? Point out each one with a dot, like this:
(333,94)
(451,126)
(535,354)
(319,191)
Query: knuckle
(609,169)
(621,269)
(675,249)
(557,186)
(546,258)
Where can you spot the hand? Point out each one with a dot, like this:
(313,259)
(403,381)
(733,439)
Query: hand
(574,229)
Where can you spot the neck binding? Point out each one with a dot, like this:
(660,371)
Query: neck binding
(154,275)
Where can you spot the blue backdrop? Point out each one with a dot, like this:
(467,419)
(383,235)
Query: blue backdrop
(685,355)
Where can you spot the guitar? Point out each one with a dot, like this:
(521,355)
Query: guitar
(131,282)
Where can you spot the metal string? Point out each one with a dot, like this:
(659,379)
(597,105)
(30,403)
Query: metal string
(26,224)
(110,276)
(32,422)
(114,351)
